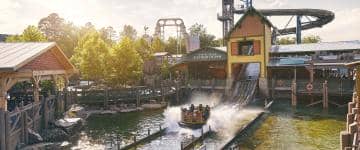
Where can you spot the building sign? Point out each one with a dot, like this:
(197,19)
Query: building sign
(207,55)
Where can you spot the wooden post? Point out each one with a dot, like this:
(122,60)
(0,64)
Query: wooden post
(65,93)
(7,131)
(177,92)
(46,112)
(25,127)
(325,96)
(36,87)
(2,130)
(293,94)
(162,93)
(106,99)
(273,88)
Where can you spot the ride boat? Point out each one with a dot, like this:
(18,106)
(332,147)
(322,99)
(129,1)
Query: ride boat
(194,117)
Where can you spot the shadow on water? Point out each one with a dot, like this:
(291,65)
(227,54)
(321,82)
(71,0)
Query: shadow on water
(99,128)
(296,128)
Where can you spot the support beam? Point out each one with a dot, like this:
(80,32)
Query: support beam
(298,29)
(325,95)
(293,94)
(36,87)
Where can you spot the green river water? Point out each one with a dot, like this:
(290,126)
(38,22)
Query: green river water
(282,128)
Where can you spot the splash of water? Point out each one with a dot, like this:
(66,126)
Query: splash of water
(226,120)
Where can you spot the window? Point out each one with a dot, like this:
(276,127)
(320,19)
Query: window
(246,48)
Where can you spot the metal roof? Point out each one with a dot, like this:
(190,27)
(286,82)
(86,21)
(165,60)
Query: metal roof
(160,54)
(15,55)
(312,47)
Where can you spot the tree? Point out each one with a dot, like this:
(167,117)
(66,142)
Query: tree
(157,45)
(128,31)
(91,56)
(143,47)
(285,41)
(292,40)
(126,63)
(52,26)
(311,39)
(165,69)
(30,34)
(108,34)
(172,46)
(57,30)
(206,40)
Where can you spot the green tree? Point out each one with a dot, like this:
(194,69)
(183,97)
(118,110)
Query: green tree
(143,48)
(157,45)
(108,34)
(52,26)
(311,39)
(206,40)
(30,34)
(126,63)
(64,34)
(91,56)
(285,41)
(292,40)
(128,31)
(165,69)
(172,46)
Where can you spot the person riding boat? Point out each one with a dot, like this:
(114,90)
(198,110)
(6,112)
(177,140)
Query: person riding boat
(194,117)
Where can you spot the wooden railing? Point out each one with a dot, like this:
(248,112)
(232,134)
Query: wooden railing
(36,116)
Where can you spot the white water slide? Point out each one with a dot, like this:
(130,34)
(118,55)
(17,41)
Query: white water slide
(244,86)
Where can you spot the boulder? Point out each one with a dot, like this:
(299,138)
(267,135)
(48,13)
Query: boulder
(34,137)
(70,125)
(55,135)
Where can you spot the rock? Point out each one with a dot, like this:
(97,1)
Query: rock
(55,135)
(70,125)
(34,137)
(76,111)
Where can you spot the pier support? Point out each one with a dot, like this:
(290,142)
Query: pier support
(325,96)
(293,94)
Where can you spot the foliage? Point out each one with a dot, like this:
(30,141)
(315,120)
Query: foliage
(206,40)
(126,63)
(143,48)
(108,34)
(165,69)
(292,40)
(128,31)
(91,57)
(30,34)
(57,30)
(171,46)
(311,39)
(157,45)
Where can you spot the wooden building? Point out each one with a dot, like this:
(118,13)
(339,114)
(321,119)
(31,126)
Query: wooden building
(33,61)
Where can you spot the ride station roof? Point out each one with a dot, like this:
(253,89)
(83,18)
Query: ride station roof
(315,47)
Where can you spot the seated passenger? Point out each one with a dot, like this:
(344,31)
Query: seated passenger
(192,108)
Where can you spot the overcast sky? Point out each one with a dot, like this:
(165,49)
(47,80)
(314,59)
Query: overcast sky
(15,15)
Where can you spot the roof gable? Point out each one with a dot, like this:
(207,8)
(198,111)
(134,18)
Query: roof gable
(14,56)
(251,11)
(205,54)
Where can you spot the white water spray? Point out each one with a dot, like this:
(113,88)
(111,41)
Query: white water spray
(226,120)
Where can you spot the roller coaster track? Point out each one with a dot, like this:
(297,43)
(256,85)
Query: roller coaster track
(322,17)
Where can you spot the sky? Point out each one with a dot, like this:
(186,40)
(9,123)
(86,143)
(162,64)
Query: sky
(15,15)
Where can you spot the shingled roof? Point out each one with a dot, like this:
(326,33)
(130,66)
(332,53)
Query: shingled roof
(13,56)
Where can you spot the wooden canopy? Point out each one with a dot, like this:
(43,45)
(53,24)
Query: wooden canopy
(30,61)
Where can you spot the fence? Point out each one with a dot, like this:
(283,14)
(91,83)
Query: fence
(123,95)
(35,116)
